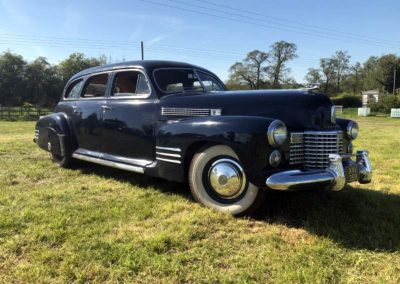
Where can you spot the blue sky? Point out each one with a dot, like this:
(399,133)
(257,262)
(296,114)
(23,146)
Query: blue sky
(55,29)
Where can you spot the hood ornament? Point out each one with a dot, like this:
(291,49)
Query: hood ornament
(311,87)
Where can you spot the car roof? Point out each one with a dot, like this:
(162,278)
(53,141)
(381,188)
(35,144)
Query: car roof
(147,65)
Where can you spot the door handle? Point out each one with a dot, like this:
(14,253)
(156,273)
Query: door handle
(106,108)
(75,108)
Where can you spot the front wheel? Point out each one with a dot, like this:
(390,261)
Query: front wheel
(61,161)
(218,181)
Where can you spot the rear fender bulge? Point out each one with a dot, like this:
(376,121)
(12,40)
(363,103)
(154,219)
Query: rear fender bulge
(55,134)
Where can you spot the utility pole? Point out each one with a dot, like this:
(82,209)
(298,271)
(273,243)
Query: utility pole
(394,80)
(141,47)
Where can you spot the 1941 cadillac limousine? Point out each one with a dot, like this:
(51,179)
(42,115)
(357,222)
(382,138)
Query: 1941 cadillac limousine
(178,122)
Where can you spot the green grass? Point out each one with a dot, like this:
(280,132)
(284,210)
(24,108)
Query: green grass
(95,224)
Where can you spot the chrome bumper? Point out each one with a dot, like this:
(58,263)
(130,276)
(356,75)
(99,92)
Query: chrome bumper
(333,177)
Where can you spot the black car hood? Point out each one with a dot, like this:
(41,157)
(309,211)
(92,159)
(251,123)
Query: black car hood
(300,110)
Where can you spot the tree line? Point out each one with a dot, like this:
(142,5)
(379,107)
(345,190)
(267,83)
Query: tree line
(40,83)
(335,74)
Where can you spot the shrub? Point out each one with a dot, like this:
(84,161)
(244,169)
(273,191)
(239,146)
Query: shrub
(385,103)
(347,101)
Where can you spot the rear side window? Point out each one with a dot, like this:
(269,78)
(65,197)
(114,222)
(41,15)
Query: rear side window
(95,86)
(130,83)
(74,90)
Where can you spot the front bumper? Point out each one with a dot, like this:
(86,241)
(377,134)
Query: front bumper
(334,177)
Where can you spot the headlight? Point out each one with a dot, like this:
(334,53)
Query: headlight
(333,114)
(352,130)
(277,133)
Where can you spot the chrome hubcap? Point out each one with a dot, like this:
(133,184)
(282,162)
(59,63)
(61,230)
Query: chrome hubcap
(226,177)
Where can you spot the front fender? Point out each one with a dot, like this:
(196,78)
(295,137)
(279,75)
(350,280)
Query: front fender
(246,135)
(55,134)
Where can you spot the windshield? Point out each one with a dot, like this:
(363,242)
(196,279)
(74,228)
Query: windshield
(186,80)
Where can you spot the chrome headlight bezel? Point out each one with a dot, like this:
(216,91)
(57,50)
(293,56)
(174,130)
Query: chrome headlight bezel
(352,130)
(277,133)
(333,114)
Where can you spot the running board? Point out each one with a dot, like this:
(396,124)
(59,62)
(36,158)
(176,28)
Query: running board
(107,163)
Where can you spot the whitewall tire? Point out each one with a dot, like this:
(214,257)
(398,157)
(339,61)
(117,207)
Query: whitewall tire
(217,180)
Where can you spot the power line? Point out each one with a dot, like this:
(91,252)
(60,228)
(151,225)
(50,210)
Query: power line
(257,22)
(319,28)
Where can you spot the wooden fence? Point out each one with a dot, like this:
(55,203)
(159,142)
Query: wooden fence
(22,113)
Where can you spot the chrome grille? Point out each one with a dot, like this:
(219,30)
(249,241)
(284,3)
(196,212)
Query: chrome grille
(312,148)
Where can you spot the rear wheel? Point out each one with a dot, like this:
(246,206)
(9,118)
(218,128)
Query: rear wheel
(217,180)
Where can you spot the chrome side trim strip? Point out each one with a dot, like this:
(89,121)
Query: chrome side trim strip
(108,163)
(170,111)
(168,154)
(169,149)
(168,160)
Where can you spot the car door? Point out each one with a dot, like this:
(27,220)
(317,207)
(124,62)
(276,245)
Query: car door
(128,119)
(87,117)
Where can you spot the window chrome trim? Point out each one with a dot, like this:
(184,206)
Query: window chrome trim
(143,96)
(87,77)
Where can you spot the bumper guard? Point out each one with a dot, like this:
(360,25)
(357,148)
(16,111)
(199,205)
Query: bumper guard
(333,177)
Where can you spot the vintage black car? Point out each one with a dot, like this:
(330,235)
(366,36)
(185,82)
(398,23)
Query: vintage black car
(177,121)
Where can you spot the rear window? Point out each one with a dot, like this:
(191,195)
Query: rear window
(95,86)
(177,80)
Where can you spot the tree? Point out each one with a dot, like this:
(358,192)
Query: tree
(77,62)
(281,53)
(340,61)
(355,78)
(328,70)
(44,86)
(12,79)
(251,71)
(313,76)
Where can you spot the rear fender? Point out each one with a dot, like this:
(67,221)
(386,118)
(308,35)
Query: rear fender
(55,134)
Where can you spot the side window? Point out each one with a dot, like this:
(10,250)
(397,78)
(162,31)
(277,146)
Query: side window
(210,83)
(74,89)
(130,83)
(95,86)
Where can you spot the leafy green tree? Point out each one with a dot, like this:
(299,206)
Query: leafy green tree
(43,84)
(77,62)
(12,79)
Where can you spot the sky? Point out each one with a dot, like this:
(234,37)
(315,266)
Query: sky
(210,33)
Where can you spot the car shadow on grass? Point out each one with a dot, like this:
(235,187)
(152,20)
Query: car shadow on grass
(355,218)
(134,179)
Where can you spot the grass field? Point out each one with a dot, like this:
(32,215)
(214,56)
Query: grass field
(97,224)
